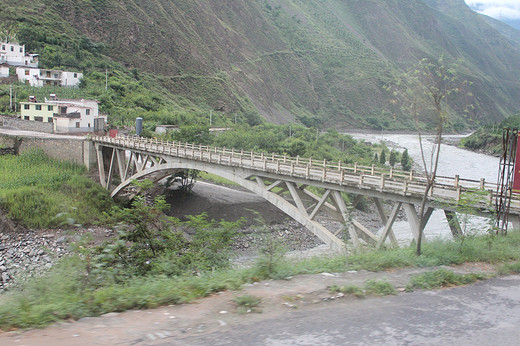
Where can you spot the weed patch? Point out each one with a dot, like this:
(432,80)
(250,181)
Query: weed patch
(441,278)
(247,303)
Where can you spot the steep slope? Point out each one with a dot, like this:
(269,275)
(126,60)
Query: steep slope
(308,60)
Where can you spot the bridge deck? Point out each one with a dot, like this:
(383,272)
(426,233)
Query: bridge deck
(391,182)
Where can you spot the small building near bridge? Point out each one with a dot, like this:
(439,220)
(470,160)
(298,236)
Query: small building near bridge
(67,115)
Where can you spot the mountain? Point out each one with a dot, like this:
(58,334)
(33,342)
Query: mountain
(511,22)
(505,28)
(316,61)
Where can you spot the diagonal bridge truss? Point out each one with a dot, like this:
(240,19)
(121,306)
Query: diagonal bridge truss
(314,193)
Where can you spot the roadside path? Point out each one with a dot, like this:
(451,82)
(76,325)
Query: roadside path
(196,323)
(11,131)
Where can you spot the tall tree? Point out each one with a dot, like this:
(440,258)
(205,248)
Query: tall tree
(425,92)
(382,158)
(393,157)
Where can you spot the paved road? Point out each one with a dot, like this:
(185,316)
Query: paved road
(487,313)
(299,311)
(11,131)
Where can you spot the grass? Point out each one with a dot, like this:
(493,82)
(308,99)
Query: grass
(49,193)
(46,192)
(67,292)
(247,303)
(216,179)
(372,287)
(485,248)
(441,278)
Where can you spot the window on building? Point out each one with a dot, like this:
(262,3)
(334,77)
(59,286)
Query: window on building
(40,119)
(55,75)
(87,111)
(12,48)
(49,120)
(77,125)
(88,124)
(21,49)
(26,107)
(38,107)
(26,117)
(3,47)
(75,75)
(50,108)
(27,72)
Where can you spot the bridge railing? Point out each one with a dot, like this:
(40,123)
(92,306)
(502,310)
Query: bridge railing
(368,177)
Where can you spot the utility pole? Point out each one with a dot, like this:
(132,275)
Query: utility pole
(106,79)
(210,117)
(10,97)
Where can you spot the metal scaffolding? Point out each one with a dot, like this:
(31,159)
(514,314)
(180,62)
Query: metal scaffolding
(505,179)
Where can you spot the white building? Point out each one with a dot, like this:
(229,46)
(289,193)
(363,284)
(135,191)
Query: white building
(14,54)
(44,77)
(68,116)
(4,71)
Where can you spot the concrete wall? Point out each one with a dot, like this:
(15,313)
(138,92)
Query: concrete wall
(26,125)
(76,150)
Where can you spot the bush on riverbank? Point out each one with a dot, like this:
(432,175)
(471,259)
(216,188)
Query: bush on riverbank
(488,138)
(41,192)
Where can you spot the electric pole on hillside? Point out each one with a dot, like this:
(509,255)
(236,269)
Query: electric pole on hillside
(10,97)
(508,177)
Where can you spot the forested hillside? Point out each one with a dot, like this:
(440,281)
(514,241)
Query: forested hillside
(322,63)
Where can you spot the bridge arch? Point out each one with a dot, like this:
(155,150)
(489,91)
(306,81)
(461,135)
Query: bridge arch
(284,183)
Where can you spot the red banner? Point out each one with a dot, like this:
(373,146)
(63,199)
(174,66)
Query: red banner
(516,175)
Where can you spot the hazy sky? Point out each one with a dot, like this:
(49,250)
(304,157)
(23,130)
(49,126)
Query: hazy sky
(499,9)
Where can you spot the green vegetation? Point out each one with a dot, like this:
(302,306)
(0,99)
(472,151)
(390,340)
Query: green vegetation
(67,292)
(379,288)
(348,289)
(372,287)
(293,140)
(41,192)
(488,138)
(247,303)
(303,62)
(441,278)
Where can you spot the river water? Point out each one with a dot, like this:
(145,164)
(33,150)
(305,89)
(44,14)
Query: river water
(453,161)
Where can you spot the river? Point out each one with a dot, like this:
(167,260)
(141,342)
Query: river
(453,161)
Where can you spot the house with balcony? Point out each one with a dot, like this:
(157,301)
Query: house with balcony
(45,77)
(67,116)
(13,54)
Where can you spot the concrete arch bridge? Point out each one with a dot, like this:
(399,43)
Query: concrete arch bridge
(311,192)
